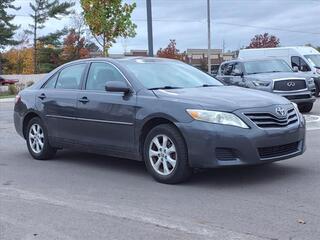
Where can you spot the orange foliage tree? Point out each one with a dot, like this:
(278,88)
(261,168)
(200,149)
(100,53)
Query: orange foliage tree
(74,47)
(18,61)
(264,41)
(170,51)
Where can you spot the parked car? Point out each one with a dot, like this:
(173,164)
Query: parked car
(7,81)
(271,75)
(305,59)
(164,112)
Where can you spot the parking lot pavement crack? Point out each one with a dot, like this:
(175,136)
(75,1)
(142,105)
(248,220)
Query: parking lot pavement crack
(183,225)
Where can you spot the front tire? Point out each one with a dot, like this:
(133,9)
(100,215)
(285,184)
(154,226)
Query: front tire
(317,90)
(305,107)
(166,155)
(37,140)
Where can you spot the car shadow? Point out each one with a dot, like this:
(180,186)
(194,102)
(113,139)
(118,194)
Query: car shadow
(92,160)
(224,177)
(247,175)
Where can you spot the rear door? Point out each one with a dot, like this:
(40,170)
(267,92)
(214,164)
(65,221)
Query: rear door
(57,99)
(106,119)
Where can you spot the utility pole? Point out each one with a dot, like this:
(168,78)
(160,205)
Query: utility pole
(149,23)
(209,37)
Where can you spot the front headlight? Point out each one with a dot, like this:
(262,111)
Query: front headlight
(216,117)
(311,81)
(260,83)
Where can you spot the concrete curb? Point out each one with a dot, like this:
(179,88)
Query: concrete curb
(5,100)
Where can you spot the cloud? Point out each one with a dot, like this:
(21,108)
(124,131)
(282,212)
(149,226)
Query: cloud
(234,22)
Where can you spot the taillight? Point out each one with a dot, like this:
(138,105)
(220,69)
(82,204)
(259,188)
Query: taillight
(17,99)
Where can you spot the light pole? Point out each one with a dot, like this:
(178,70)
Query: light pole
(209,37)
(149,23)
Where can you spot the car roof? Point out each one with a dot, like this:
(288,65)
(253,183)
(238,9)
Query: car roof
(251,60)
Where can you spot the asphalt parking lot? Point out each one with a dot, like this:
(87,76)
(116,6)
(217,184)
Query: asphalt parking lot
(86,196)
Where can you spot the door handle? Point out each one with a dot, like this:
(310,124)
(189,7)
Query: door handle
(42,96)
(83,100)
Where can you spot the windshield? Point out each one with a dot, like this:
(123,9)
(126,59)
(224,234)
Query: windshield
(314,59)
(266,66)
(169,74)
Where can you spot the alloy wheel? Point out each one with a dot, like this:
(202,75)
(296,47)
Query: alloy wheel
(162,154)
(36,138)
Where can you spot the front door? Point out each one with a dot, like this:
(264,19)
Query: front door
(106,118)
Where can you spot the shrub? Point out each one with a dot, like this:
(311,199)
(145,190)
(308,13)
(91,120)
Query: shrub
(12,89)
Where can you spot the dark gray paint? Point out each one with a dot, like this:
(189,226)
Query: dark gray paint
(112,123)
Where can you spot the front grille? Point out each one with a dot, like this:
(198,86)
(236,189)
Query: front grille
(278,151)
(292,97)
(269,120)
(226,154)
(289,85)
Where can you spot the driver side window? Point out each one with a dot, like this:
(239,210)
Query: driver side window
(300,63)
(100,73)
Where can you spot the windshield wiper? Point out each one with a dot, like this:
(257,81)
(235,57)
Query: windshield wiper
(165,87)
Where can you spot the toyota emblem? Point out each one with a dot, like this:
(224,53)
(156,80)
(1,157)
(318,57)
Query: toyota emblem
(280,111)
(291,84)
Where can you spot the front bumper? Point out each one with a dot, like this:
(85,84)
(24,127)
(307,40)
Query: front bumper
(299,97)
(248,146)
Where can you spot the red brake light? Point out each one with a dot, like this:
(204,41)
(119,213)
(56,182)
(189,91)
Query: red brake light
(17,99)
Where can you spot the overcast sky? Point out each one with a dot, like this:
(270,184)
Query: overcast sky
(234,22)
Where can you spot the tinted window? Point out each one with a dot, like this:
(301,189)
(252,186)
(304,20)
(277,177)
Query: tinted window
(236,69)
(266,66)
(70,77)
(100,74)
(51,82)
(228,69)
(300,63)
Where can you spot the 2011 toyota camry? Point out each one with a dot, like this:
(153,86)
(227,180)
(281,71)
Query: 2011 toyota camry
(164,112)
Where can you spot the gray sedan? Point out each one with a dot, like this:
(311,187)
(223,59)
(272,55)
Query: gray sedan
(166,113)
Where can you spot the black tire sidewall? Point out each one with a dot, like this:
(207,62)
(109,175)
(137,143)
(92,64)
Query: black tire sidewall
(47,150)
(182,170)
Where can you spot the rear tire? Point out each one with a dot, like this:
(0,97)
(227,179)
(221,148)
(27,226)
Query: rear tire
(37,140)
(166,155)
(305,107)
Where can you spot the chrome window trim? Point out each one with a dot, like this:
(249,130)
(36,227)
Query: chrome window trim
(110,63)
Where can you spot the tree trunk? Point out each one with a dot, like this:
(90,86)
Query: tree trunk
(35,67)
(0,63)
(105,51)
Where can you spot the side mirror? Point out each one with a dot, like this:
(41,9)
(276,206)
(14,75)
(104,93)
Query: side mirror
(295,69)
(117,86)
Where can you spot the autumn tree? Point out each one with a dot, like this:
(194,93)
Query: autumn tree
(74,47)
(170,51)
(108,20)
(7,28)
(42,11)
(264,41)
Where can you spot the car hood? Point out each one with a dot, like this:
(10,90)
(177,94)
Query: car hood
(272,76)
(222,98)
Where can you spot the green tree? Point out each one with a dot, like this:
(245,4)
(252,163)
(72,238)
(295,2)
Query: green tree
(42,11)
(7,28)
(108,20)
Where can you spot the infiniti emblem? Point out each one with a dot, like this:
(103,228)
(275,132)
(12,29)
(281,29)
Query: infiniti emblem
(280,111)
(291,84)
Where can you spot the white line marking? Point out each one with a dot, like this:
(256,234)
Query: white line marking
(128,213)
